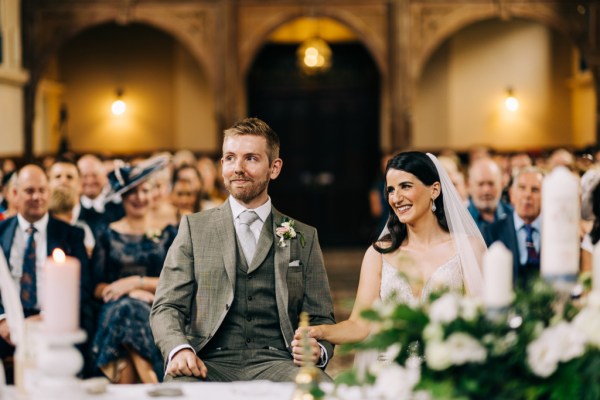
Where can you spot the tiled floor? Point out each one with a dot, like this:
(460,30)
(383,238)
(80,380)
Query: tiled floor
(343,269)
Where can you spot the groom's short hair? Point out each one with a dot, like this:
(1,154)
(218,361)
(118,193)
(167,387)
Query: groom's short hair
(256,127)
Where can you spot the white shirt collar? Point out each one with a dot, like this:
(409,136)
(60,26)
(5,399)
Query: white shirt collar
(519,223)
(41,224)
(262,211)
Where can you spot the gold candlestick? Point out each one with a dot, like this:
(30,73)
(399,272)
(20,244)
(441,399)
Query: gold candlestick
(307,380)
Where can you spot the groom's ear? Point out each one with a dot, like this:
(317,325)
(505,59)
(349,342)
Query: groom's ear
(276,166)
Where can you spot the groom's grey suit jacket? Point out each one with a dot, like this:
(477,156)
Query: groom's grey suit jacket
(196,286)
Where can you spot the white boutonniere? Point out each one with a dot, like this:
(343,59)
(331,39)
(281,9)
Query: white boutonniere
(154,235)
(287,231)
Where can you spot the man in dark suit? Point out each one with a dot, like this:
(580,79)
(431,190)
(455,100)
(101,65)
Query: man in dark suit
(485,190)
(521,230)
(234,282)
(96,210)
(28,238)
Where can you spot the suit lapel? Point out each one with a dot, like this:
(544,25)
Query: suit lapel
(282,262)
(53,235)
(7,238)
(227,239)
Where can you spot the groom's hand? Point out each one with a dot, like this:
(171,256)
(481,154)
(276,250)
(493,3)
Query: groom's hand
(298,350)
(186,363)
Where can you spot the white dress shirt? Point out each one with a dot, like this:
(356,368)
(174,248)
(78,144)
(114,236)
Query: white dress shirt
(17,251)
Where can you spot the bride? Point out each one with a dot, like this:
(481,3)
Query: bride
(430,242)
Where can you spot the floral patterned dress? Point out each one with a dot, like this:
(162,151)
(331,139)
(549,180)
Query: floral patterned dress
(124,323)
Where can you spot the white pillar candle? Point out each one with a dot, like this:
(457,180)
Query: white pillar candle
(60,293)
(560,223)
(596,268)
(497,276)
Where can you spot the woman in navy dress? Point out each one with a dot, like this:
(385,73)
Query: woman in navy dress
(127,261)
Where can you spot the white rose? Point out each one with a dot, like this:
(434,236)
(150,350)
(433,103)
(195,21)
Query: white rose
(384,308)
(588,323)
(561,342)
(570,340)
(393,382)
(444,309)
(465,348)
(469,308)
(437,355)
(542,356)
(433,331)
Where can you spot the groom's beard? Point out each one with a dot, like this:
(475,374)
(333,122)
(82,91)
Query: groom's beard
(249,192)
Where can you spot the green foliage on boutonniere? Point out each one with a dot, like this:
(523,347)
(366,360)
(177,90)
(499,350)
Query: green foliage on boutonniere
(287,231)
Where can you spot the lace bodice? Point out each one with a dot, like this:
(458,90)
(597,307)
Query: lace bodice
(448,275)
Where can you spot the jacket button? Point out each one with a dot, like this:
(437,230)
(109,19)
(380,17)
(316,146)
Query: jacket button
(250,298)
(248,340)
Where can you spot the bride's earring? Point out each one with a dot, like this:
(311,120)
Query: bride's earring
(433,207)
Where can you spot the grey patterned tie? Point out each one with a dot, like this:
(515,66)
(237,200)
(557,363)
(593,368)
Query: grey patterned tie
(247,238)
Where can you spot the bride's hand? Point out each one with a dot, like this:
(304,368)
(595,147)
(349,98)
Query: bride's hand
(315,332)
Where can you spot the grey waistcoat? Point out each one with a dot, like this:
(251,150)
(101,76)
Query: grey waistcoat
(252,321)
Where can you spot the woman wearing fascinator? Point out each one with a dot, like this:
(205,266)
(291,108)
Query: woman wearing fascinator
(430,243)
(127,261)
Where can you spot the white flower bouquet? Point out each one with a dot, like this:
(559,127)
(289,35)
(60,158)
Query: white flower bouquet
(541,347)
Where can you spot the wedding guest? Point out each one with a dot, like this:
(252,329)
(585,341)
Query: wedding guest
(9,204)
(430,242)
(162,211)
(213,192)
(185,198)
(95,209)
(590,210)
(561,157)
(485,190)
(63,200)
(27,239)
(63,177)
(521,231)
(127,261)
(230,296)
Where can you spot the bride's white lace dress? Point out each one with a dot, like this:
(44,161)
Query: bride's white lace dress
(448,275)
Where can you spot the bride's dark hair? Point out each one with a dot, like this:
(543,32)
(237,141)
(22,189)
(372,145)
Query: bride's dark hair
(421,166)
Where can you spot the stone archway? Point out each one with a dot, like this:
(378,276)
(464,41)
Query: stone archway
(433,24)
(50,26)
(370,22)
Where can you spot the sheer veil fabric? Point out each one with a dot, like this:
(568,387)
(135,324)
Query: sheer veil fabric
(467,238)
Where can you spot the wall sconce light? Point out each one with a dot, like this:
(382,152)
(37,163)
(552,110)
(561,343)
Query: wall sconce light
(511,103)
(118,106)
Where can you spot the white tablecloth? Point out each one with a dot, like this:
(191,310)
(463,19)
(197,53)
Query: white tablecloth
(258,390)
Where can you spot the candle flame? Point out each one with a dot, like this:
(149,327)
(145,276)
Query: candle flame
(59,256)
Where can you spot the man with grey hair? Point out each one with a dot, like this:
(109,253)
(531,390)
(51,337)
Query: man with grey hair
(521,231)
(485,190)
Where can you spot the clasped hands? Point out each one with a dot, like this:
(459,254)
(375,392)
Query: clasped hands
(126,286)
(186,363)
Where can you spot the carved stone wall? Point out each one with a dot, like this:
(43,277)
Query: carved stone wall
(225,36)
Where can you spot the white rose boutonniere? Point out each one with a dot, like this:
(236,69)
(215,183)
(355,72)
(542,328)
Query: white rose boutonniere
(287,231)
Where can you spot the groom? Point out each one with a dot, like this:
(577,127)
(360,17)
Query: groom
(230,294)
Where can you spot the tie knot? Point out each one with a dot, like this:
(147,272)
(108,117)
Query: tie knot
(31,230)
(247,217)
(529,229)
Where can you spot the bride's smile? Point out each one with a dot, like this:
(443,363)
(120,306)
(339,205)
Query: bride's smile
(408,196)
